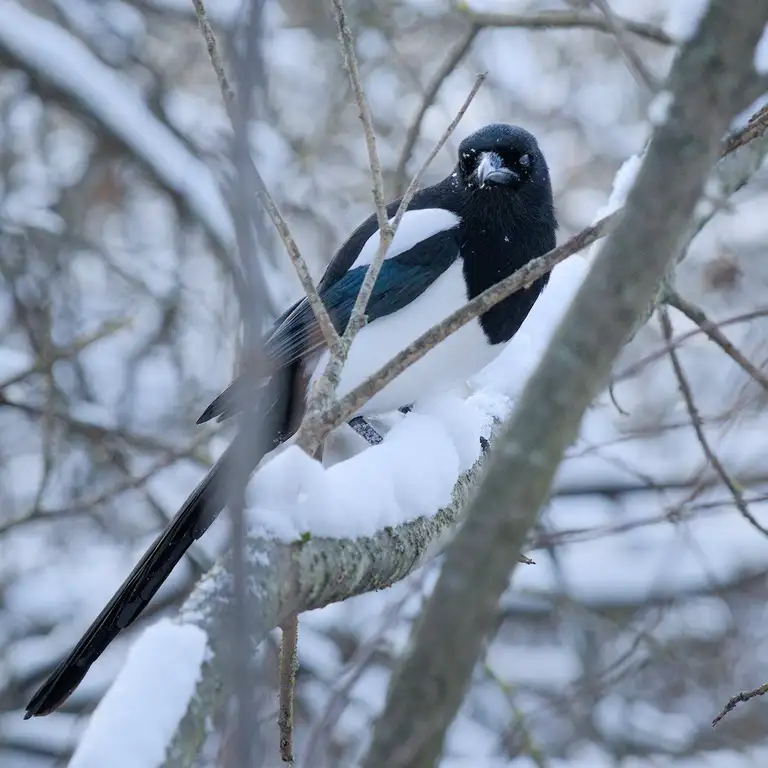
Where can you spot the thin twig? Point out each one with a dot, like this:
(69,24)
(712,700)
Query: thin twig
(55,353)
(634,63)
(414,129)
(350,63)
(754,129)
(738,699)
(386,232)
(698,427)
(568,20)
(213,52)
(359,662)
(281,225)
(288,668)
(714,334)
(632,370)
(416,180)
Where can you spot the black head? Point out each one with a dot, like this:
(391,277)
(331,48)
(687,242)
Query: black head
(501,158)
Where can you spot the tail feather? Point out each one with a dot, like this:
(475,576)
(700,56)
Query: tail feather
(190,523)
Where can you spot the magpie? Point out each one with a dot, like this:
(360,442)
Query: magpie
(490,216)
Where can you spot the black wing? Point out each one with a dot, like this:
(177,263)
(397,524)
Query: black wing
(402,279)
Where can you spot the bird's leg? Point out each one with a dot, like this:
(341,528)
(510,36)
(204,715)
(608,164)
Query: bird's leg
(365,430)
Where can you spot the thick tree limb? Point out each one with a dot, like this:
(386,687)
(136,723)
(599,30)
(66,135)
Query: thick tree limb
(707,82)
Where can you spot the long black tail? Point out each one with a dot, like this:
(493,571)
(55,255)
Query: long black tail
(257,435)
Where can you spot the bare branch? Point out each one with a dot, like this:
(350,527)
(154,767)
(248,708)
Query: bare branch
(568,20)
(698,427)
(213,52)
(713,333)
(281,225)
(738,699)
(288,668)
(414,129)
(350,63)
(386,231)
(416,181)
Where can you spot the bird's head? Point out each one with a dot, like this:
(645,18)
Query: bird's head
(502,160)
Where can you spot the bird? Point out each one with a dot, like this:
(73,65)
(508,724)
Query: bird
(492,214)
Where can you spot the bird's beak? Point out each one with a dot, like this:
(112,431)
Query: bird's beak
(500,177)
(491,170)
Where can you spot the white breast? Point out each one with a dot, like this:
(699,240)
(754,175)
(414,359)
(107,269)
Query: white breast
(448,365)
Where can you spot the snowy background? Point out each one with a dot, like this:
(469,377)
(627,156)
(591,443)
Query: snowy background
(645,610)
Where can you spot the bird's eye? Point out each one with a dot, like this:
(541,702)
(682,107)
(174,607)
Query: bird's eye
(524,160)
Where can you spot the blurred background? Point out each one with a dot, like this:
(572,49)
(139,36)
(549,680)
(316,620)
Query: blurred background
(645,610)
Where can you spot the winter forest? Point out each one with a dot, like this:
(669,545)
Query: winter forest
(561,563)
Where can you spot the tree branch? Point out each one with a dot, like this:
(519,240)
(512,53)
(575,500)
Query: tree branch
(711,330)
(568,20)
(414,129)
(698,428)
(281,225)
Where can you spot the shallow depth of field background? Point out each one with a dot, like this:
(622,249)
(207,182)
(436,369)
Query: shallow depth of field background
(645,610)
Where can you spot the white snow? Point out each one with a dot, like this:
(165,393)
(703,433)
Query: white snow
(411,473)
(658,109)
(135,721)
(683,18)
(63,60)
(761,53)
(622,184)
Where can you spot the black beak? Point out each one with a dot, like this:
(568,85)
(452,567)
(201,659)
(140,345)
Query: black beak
(492,171)
(500,177)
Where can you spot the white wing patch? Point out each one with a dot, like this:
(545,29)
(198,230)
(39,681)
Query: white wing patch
(414,227)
